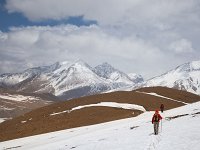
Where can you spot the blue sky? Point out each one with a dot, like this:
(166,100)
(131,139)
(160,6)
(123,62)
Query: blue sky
(18,19)
(133,36)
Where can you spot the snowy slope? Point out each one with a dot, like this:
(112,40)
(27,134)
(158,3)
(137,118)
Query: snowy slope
(185,77)
(180,130)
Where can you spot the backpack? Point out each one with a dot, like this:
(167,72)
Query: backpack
(156,118)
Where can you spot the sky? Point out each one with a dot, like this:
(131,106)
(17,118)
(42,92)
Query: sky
(147,37)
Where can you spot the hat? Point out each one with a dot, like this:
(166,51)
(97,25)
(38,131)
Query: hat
(156,111)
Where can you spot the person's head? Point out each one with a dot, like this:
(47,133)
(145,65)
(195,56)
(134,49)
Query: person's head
(156,112)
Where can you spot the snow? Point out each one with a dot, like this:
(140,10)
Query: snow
(72,75)
(13,79)
(5,108)
(195,65)
(113,104)
(108,72)
(177,134)
(105,104)
(19,98)
(136,77)
(155,94)
(2,119)
(58,113)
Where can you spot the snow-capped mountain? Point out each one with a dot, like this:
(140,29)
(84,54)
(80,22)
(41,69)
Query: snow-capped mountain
(67,79)
(16,78)
(184,77)
(136,78)
(106,71)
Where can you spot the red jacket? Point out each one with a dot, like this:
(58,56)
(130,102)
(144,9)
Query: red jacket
(156,116)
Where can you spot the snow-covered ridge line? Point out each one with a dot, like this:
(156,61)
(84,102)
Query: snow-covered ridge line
(105,104)
(155,94)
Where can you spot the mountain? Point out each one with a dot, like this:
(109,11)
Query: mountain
(94,109)
(67,80)
(10,80)
(136,78)
(185,77)
(106,71)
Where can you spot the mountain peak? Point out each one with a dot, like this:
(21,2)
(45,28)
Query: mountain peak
(105,70)
(190,66)
(136,78)
(195,65)
(64,62)
(105,64)
(184,77)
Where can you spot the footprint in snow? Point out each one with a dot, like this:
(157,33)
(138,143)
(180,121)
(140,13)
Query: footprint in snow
(153,142)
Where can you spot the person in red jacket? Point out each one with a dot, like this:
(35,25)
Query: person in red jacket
(155,120)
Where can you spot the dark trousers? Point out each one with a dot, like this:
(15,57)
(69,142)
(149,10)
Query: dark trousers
(156,127)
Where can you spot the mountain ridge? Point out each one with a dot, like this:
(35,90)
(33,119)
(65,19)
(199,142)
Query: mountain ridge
(72,79)
(67,79)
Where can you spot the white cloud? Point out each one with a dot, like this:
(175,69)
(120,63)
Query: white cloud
(34,46)
(106,12)
(133,35)
(181,46)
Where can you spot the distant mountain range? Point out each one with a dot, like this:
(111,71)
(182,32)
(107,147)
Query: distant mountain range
(68,80)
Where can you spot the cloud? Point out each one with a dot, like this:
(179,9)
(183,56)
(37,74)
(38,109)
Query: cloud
(106,12)
(181,46)
(142,36)
(34,46)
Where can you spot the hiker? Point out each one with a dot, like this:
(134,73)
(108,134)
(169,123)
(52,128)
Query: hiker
(155,120)
(162,108)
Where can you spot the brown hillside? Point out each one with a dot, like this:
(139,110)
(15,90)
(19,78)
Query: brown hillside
(174,94)
(40,121)
(13,108)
